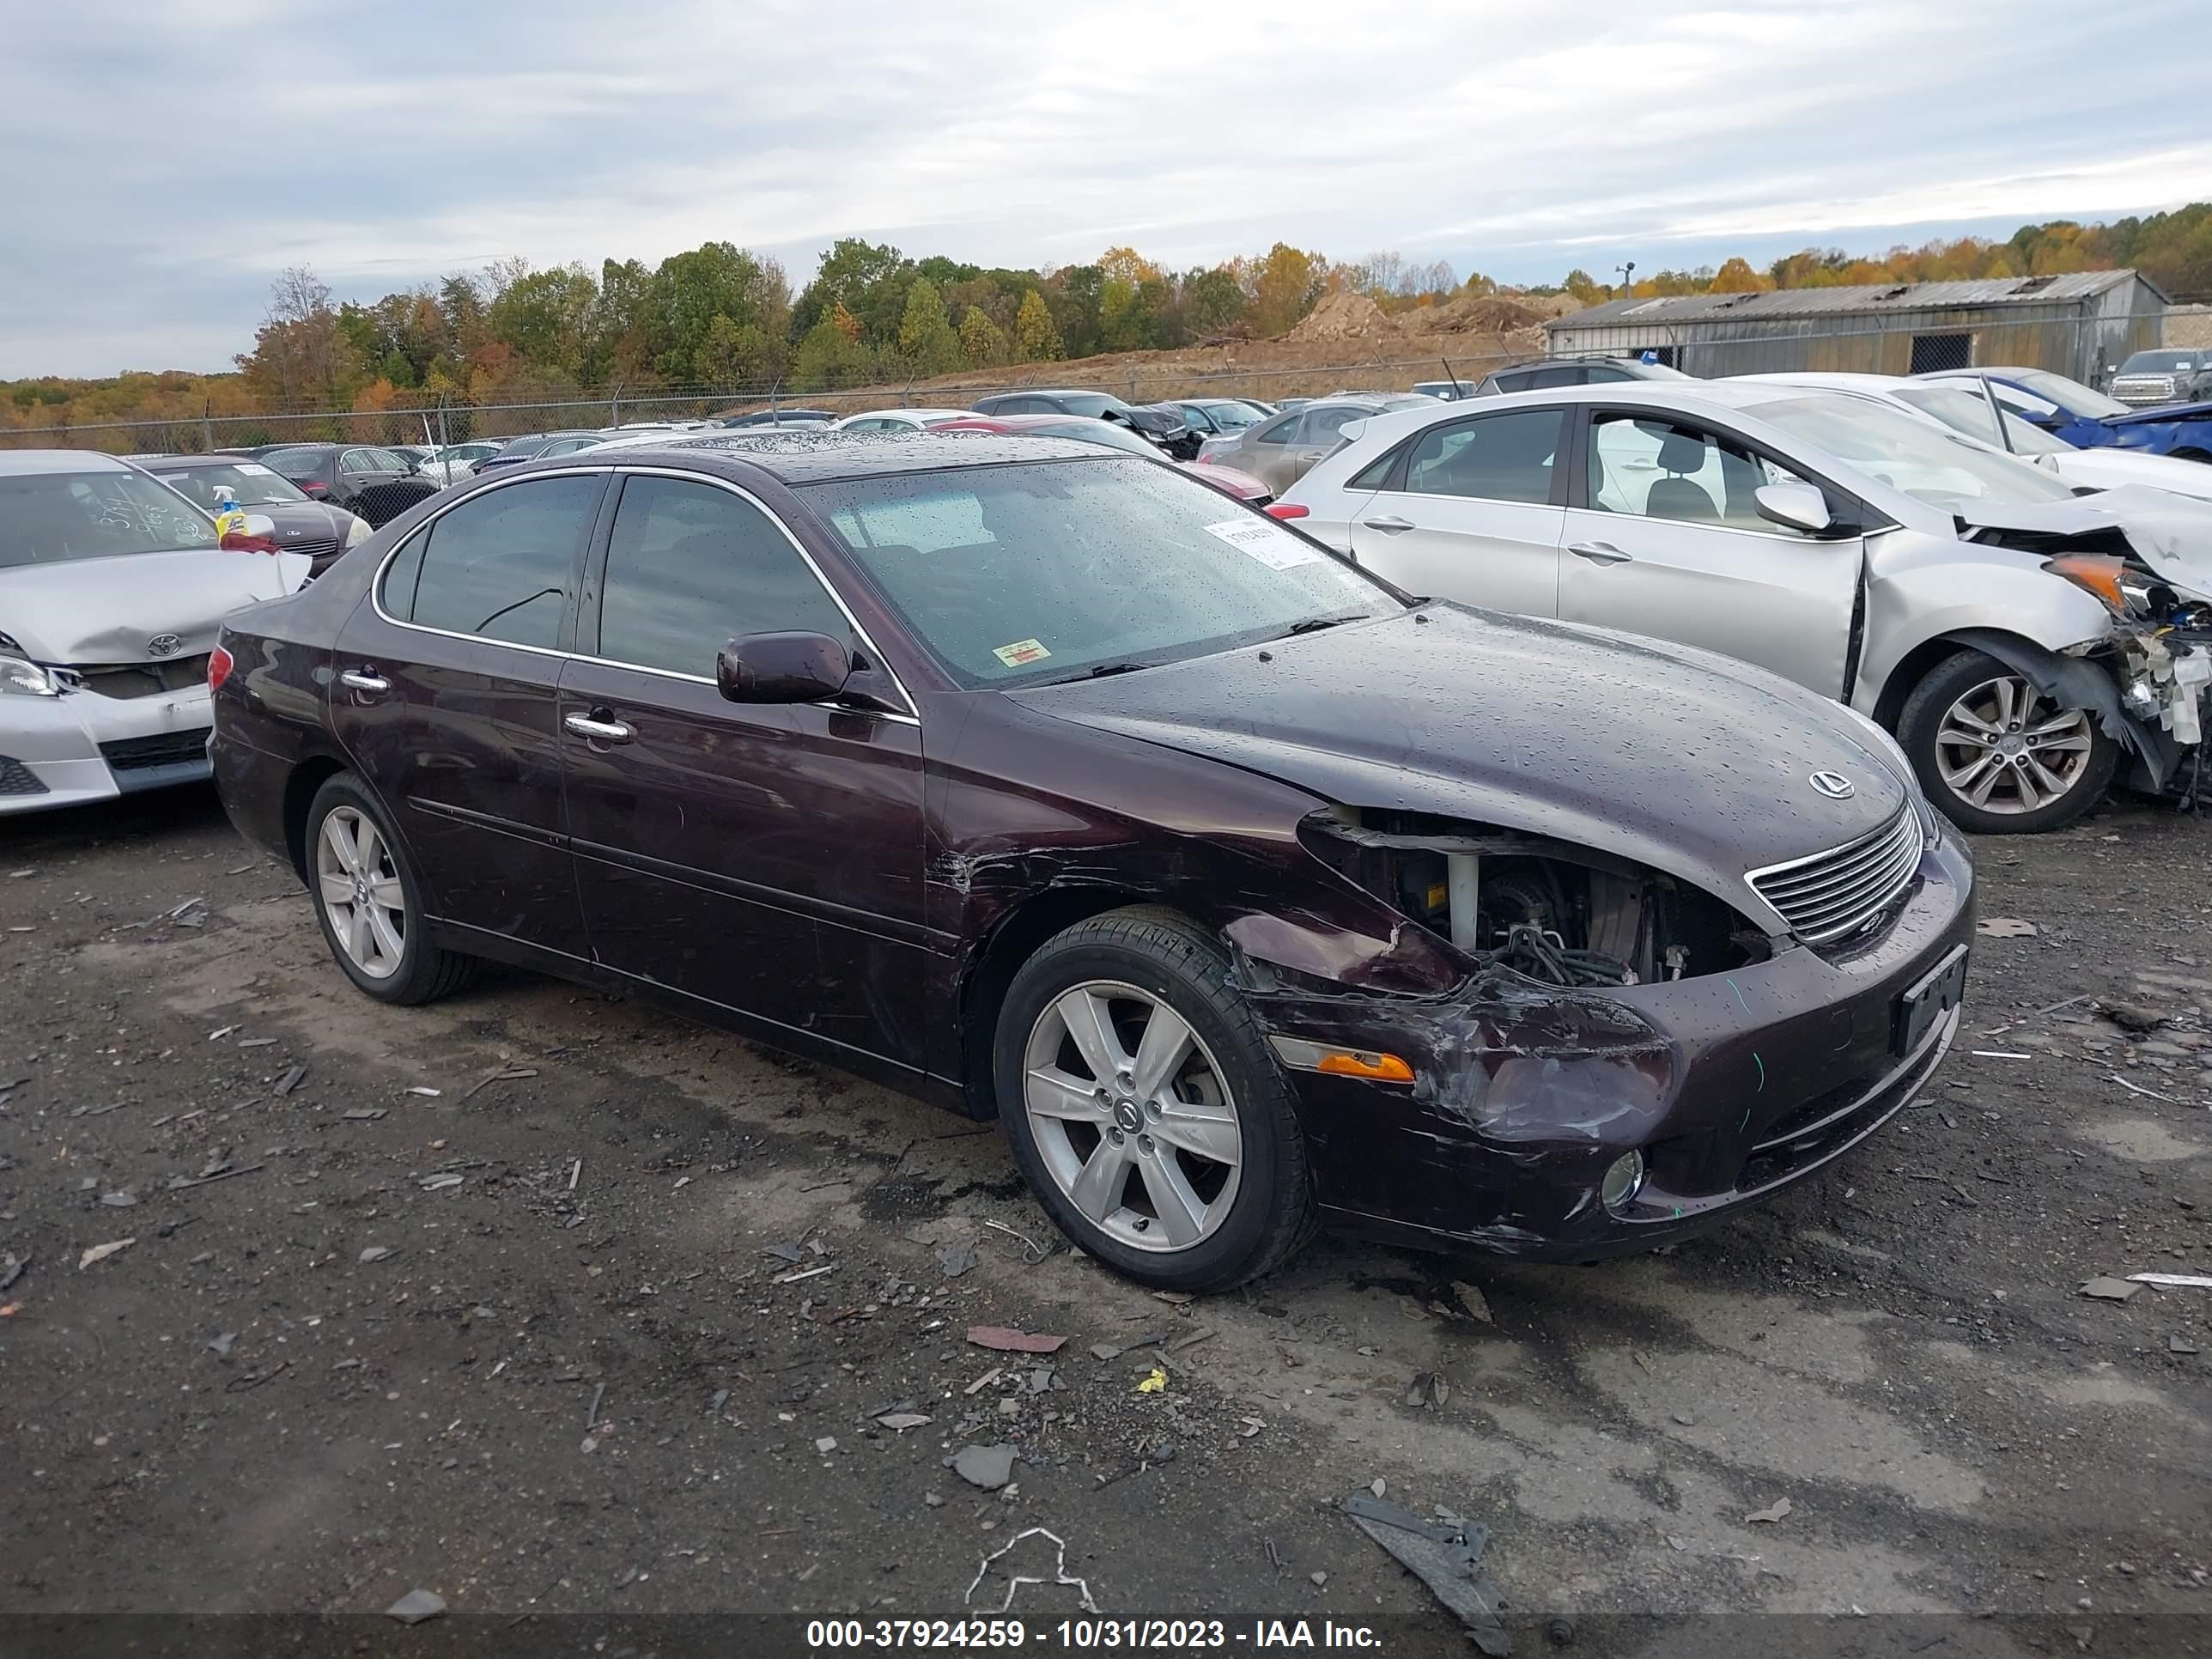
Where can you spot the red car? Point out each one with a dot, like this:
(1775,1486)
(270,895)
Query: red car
(1083,430)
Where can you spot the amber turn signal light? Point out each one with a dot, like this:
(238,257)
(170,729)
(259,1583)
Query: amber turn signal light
(2097,572)
(1303,1056)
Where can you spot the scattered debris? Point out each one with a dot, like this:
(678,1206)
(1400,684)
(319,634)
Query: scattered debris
(179,1183)
(220,1033)
(2180,1344)
(374,1252)
(1037,1249)
(985,1381)
(1174,1299)
(1442,1554)
(1998,1054)
(1777,1511)
(2132,1016)
(442,1180)
(101,1252)
(1155,1383)
(1472,1299)
(1320,1579)
(2137,1089)
(291,1080)
(2174,1281)
(956,1259)
(785,1252)
(257,1042)
(254,1380)
(363,1114)
(1004,1340)
(221,1345)
(900,1422)
(504,1074)
(591,1416)
(13,1268)
(2005,927)
(806,1272)
(415,1607)
(2108,1289)
(1015,1581)
(826,1445)
(720,1399)
(987,1466)
(119,1200)
(420,1089)
(1428,1390)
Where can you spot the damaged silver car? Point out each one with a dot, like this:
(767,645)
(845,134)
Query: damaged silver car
(2022,641)
(111,587)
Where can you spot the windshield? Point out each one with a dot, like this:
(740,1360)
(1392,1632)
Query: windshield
(1090,403)
(55,518)
(1098,432)
(2070,395)
(295,463)
(251,484)
(1908,454)
(1969,412)
(2158,362)
(1233,417)
(1022,574)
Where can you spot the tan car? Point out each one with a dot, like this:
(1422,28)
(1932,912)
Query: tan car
(1278,452)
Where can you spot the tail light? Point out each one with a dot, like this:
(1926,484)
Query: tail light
(218,668)
(312,486)
(237,541)
(1285,510)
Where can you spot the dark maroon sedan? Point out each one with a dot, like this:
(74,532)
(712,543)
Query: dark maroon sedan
(1049,784)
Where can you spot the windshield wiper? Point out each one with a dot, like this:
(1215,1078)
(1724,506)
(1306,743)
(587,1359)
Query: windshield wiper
(1102,671)
(1314,624)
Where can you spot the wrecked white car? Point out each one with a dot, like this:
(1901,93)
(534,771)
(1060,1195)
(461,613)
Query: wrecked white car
(111,587)
(2022,641)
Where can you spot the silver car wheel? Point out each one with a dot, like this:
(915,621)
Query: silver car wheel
(358,885)
(1133,1116)
(2007,749)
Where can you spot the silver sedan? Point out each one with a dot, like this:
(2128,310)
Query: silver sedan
(2021,642)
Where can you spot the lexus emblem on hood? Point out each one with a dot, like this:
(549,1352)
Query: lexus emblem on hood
(164,644)
(1834,785)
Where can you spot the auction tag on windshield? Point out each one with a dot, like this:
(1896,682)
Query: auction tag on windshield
(251,469)
(1270,543)
(1021,653)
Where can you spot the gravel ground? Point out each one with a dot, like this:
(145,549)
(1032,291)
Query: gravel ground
(550,1303)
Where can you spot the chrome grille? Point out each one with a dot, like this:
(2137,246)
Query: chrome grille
(1837,892)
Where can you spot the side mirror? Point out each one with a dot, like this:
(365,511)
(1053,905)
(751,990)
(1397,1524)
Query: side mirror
(1794,507)
(794,667)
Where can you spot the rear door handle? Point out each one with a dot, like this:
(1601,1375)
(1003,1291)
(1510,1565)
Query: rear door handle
(1599,553)
(360,679)
(1390,524)
(599,731)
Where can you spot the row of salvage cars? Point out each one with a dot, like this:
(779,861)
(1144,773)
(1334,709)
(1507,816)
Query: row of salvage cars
(1250,887)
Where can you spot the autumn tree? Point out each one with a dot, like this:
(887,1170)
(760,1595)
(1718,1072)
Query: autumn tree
(1736,277)
(1284,285)
(926,342)
(1211,300)
(1037,340)
(544,317)
(982,342)
(827,359)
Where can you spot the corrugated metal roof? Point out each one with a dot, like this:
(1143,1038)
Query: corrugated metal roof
(1838,301)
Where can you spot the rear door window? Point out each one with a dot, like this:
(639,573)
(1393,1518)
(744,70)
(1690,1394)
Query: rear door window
(690,567)
(1280,432)
(1500,457)
(502,564)
(1660,468)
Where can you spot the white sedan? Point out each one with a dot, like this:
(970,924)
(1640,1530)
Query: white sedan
(899,419)
(1969,406)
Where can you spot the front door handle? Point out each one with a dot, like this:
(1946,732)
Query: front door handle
(361,680)
(1599,553)
(598,730)
(1390,524)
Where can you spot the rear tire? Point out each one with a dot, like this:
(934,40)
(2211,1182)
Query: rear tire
(1996,757)
(370,905)
(1178,1163)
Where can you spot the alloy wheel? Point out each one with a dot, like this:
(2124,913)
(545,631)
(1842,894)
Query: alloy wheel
(359,885)
(2006,748)
(1133,1117)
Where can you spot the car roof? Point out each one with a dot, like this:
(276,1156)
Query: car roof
(1833,380)
(39,463)
(820,457)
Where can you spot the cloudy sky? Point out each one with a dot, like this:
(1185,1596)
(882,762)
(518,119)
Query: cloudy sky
(165,160)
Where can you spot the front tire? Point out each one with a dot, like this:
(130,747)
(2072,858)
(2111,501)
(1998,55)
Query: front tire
(1995,756)
(370,902)
(1144,1107)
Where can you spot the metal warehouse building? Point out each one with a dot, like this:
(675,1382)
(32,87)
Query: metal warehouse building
(2083,324)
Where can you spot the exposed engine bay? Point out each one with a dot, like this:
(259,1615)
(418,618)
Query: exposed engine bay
(1555,913)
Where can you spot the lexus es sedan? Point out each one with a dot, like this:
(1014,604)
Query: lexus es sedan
(1044,782)
(110,588)
(2019,640)
(321,530)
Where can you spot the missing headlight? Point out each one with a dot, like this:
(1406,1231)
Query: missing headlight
(1563,915)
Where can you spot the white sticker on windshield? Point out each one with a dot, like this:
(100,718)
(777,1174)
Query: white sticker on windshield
(1020,653)
(251,469)
(1270,543)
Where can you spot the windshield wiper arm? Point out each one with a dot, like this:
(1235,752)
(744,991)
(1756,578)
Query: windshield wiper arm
(1102,670)
(1314,624)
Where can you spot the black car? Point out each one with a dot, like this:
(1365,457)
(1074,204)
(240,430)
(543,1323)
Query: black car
(1164,423)
(782,417)
(1043,782)
(375,484)
(1579,371)
(317,529)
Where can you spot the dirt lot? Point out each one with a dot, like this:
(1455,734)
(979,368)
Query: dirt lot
(606,1323)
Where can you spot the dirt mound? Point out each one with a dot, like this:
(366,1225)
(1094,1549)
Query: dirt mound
(1484,313)
(1342,316)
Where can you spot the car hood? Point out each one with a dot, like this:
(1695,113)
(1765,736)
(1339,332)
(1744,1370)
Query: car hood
(312,521)
(2171,534)
(2105,467)
(1680,759)
(111,611)
(2159,413)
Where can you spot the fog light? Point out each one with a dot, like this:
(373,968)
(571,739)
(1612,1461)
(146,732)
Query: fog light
(1624,1179)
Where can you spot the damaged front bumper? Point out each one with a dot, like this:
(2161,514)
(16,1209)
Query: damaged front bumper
(82,746)
(1729,1086)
